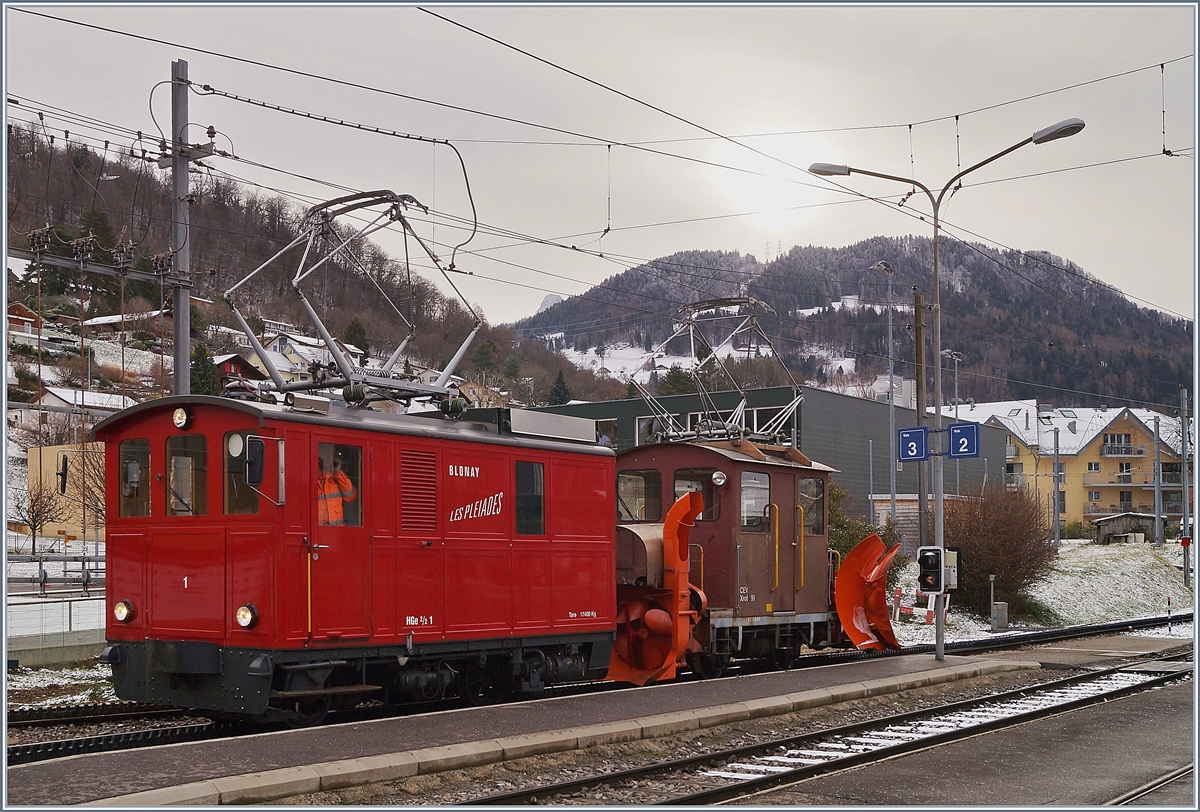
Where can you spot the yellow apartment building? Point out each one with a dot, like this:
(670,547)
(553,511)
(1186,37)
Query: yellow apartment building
(1105,457)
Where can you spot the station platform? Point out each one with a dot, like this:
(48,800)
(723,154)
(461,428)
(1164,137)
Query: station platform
(270,766)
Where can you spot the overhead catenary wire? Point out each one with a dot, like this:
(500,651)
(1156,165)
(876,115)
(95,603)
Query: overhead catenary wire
(573,247)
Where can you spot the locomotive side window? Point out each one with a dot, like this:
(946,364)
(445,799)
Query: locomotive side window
(756,496)
(187,475)
(239,497)
(531,516)
(810,495)
(135,477)
(699,479)
(339,472)
(639,496)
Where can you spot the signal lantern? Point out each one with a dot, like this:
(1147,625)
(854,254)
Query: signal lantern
(930,570)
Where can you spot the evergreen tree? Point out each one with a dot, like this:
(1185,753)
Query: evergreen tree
(677,381)
(356,334)
(205,380)
(560,393)
(512,368)
(631,392)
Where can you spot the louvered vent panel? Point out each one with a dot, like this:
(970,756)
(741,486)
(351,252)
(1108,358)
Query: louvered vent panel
(418,491)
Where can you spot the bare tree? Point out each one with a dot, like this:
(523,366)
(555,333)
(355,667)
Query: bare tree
(1003,533)
(37,507)
(85,484)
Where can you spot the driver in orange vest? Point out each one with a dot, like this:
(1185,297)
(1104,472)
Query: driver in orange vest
(334,489)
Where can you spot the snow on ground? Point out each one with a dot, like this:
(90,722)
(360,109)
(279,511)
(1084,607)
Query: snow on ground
(140,361)
(1088,583)
(624,361)
(64,686)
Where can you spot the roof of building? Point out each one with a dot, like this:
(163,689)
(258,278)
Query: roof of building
(1078,427)
(91,400)
(102,321)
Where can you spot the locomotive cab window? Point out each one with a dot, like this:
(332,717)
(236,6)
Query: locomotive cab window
(531,516)
(339,474)
(810,495)
(187,475)
(639,496)
(756,497)
(135,478)
(239,496)
(700,479)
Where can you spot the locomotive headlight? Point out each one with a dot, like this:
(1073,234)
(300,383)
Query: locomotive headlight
(123,611)
(719,478)
(246,616)
(182,418)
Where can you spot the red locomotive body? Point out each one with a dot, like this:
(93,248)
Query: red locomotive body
(377,555)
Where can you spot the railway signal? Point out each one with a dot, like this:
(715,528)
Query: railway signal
(931,572)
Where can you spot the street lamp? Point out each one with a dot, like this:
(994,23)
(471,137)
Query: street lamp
(886,267)
(1062,129)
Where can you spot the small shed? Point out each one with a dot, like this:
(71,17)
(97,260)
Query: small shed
(1124,527)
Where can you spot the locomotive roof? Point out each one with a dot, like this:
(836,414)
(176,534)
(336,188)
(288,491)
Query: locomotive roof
(340,416)
(746,452)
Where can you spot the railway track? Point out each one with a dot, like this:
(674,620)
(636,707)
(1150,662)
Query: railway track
(745,771)
(63,743)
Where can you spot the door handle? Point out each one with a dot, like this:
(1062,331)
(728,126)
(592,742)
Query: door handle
(320,546)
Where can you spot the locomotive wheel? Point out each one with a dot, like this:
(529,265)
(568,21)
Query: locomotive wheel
(310,713)
(783,659)
(708,666)
(479,686)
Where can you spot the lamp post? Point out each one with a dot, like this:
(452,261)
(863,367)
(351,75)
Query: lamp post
(886,267)
(1062,129)
(955,357)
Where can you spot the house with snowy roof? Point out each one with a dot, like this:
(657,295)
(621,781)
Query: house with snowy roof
(294,355)
(58,398)
(1106,456)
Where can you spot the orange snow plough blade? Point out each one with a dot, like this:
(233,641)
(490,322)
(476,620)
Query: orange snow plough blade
(655,622)
(860,594)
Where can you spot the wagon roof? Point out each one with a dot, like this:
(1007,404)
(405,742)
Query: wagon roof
(343,417)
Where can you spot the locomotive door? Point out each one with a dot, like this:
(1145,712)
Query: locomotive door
(755,545)
(339,584)
(784,548)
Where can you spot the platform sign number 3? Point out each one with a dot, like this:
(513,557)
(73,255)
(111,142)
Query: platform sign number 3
(913,444)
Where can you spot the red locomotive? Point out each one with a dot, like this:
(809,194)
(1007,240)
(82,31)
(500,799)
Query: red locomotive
(274,561)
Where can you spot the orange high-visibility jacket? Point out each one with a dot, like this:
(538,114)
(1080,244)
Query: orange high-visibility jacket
(332,492)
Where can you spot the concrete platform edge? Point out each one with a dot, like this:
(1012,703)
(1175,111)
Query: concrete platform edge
(276,784)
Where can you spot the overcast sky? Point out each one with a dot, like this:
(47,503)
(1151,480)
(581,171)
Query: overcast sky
(800,84)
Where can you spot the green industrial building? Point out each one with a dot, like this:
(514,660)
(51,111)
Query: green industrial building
(845,432)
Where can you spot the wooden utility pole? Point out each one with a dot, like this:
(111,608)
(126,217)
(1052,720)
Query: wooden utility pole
(919,338)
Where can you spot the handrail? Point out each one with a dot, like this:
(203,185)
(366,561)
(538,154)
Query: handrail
(774,508)
(701,549)
(800,511)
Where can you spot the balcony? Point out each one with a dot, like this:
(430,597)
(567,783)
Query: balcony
(1142,478)
(1010,452)
(1122,451)
(1014,481)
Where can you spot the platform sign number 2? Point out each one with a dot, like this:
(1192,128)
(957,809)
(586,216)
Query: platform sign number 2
(964,439)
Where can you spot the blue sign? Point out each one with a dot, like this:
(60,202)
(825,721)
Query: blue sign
(913,445)
(964,440)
